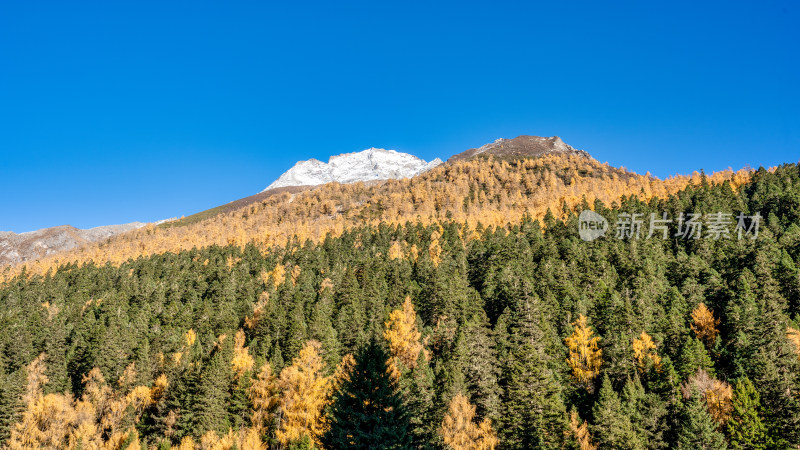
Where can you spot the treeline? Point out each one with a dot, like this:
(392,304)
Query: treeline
(514,337)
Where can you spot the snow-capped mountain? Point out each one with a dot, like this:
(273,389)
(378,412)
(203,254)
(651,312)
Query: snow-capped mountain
(367,165)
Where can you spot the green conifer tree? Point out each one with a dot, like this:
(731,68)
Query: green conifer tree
(746,429)
(697,429)
(693,357)
(533,410)
(612,427)
(368,412)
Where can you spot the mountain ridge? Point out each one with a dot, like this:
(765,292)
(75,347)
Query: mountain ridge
(30,245)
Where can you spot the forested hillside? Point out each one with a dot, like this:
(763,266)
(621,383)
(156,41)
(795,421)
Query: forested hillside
(494,192)
(447,330)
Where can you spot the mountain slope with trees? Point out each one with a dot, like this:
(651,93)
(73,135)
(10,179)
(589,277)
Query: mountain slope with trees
(513,333)
(485,189)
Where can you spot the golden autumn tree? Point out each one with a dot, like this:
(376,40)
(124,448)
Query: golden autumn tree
(187,443)
(585,357)
(305,393)
(704,325)
(794,338)
(395,251)
(250,322)
(48,419)
(101,419)
(265,397)
(242,362)
(459,430)
(104,411)
(717,395)
(244,439)
(435,251)
(274,277)
(403,337)
(644,351)
(342,373)
(581,432)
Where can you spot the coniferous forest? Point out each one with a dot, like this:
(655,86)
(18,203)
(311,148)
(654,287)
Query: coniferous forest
(425,334)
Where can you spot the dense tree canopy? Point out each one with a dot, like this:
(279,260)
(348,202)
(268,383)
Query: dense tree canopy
(523,333)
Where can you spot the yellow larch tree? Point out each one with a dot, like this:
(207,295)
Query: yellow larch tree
(187,443)
(244,439)
(435,251)
(190,337)
(395,251)
(717,395)
(581,432)
(403,337)
(704,325)
(242,362)
(644,351)
(274,277)
(794,337)
(459,430)
(99,420)
(265,397)
(585,358)
(47,419)
(305,393)
(250,322)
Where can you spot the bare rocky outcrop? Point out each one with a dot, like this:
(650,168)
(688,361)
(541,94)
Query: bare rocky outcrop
(21,247)
(521,146)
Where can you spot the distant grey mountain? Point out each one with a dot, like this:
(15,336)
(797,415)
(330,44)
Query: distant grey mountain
(520,146)
(21,247)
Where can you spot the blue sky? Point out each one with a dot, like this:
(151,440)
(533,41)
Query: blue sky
(112,112)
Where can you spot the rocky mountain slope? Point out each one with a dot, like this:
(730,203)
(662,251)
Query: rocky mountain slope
(521,146)
(367,165)
(15,248)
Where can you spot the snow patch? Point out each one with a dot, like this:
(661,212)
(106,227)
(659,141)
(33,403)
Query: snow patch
(367,165)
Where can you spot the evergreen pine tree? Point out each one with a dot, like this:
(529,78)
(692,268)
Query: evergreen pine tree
(534,414)
(481,369)
(367,412)
(746,429)
(210,409)
(612,426)
(417,388)
(697,430)
(693,357)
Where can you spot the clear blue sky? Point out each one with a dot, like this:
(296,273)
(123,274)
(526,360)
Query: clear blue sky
(117,111)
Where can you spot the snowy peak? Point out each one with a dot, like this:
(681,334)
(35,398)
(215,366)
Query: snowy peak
(367,165)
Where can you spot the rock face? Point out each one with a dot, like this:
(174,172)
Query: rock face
(17,248)
(520,146)
(368,165)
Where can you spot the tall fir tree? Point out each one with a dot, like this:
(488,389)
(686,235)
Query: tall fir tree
(745,428)
(533,410)
(367,412)
(697,430)
(612,426)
